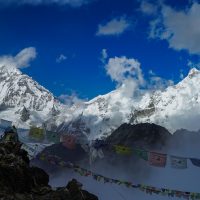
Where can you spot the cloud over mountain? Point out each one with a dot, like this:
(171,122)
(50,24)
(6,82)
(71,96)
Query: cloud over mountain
(21,60)
(126,73)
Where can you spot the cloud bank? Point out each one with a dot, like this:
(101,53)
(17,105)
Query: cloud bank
(115,26)
(180,28)
(21,60)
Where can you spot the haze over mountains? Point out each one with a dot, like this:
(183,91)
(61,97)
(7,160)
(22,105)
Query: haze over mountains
(26,103)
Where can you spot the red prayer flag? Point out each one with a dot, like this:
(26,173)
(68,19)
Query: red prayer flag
(157,159)
(69,141)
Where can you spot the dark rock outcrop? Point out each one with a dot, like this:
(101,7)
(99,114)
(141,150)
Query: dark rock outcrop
(20,181)
(25,114)
(141,135)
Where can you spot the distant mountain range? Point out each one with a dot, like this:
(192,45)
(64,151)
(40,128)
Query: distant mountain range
(26,103)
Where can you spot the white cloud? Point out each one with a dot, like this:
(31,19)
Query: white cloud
(72,99)
(104,55)
(73,3)
(61,58)
(21,60)
(180,28)
(158,83)
(126,73)
(116,26)
(148,8)
(156,28)
(121,68)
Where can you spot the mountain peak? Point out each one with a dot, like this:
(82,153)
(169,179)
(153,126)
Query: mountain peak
(9,70)
(194,71)
(19,92)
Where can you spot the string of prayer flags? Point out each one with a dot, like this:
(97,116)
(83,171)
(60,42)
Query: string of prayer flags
(178,162)
(122,150)
(141,153)
(157,159)
(141,187)
(154,159)
(195,162)
(168,192)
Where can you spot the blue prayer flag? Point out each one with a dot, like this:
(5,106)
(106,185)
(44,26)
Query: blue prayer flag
(195,162)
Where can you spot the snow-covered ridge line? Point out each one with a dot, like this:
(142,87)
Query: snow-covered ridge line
(176,107)
(26,103)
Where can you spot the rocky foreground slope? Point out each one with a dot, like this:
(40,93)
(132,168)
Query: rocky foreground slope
(20,181)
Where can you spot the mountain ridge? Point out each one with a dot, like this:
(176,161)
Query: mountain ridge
(26,103)
(19,91)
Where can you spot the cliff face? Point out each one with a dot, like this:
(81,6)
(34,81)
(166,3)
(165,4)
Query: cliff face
(18,180)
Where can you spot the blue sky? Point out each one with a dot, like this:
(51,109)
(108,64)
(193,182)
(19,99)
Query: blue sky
(69,37)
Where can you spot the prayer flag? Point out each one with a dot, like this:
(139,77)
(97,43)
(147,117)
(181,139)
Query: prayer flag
(122,150)
(195,162)
(141,153)
(52,137)
(42,157)
(178,162)
(157,159)
(68,141)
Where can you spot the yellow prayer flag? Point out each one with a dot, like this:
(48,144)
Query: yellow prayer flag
(119,149)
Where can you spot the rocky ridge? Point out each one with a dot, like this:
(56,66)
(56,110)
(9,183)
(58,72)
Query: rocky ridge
(20,181)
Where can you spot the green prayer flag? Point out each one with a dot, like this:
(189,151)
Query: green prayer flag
(52,137)
(141,153)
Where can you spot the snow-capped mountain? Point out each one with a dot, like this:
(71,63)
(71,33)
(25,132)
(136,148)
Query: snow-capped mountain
(176,107)
(25,102)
